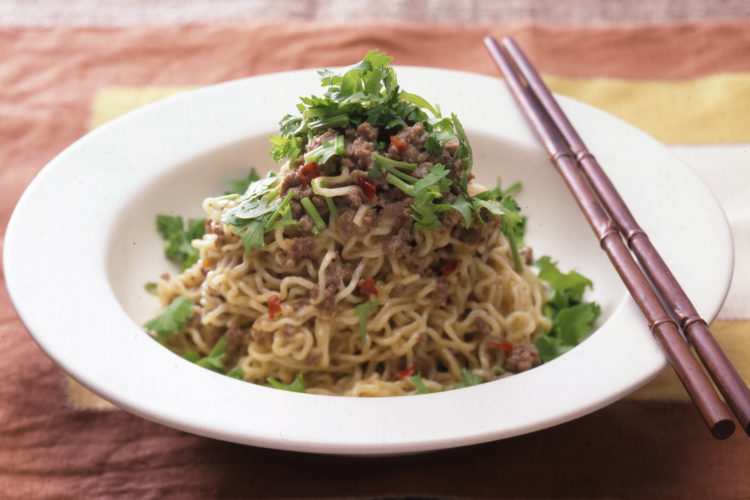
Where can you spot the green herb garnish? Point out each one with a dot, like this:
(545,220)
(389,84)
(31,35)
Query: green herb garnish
(363,310)
(571,318)
(382,161)
(239,186)
(468,379)
(298,385)
(214,359)
(257,210)
(325,151)
(417,381)
(172,319)
(500,202)
(317,219)
(365,92)
(178,238)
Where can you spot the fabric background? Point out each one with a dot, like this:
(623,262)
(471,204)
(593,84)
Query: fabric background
(651,445)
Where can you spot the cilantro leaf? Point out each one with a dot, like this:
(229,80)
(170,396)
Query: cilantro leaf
(257,210)
(468,379)
(420,102)
(172,319)
(550,347)
(427,190)
(570,285)
(252,236)
(214,359)
(464,152)
(499,202)
(178,248)
(363,310)
(325,151)
(571,318)
(417,381)
(239,186)
(284,146)
(572,323)
(298,385)
(436,140)
(464,207)
(364,92)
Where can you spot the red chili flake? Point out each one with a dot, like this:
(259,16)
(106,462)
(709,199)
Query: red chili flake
(449,268)
(506,347)
(367,286)
(308,172)
(368,188)
(274,306)
(398,143)
(409,372)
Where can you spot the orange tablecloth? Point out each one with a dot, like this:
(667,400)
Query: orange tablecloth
(48,81)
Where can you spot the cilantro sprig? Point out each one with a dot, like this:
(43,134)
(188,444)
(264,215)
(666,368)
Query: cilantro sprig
(297,385)
(178,237)
(259,210)
(571,318)
(468,379)
(428,201)
(366,92)
(214,361)
(513,223)
(172,319)
(363,310)
(325,151)
(419,384)
(239,186)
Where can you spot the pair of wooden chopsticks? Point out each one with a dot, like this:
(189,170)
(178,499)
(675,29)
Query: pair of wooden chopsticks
(590,186)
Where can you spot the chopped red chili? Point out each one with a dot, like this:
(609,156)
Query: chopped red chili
(308,172)
(504,346)
(368,188)
(367,286)
(449,268)
(398,143)
(274,306)
(409,372)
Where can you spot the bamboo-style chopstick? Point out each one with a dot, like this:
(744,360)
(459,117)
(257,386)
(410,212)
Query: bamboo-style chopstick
(724,375)
(666,331)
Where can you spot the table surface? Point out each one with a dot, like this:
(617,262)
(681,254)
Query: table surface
(154,12)
(56,60)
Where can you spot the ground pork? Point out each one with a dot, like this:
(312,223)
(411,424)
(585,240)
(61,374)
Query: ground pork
(523,357)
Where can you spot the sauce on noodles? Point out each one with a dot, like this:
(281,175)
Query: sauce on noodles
(369,264)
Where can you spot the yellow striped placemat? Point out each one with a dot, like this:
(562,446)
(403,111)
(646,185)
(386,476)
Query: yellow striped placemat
(710,110)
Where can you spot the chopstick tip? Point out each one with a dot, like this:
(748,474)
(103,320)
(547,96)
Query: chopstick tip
(723,429)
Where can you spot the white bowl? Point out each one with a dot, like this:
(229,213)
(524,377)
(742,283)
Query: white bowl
(82,242)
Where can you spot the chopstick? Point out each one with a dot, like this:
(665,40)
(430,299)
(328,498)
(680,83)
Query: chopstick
(566,151)
(723,373)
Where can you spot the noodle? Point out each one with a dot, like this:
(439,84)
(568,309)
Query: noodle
(410,328)
(369,264)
